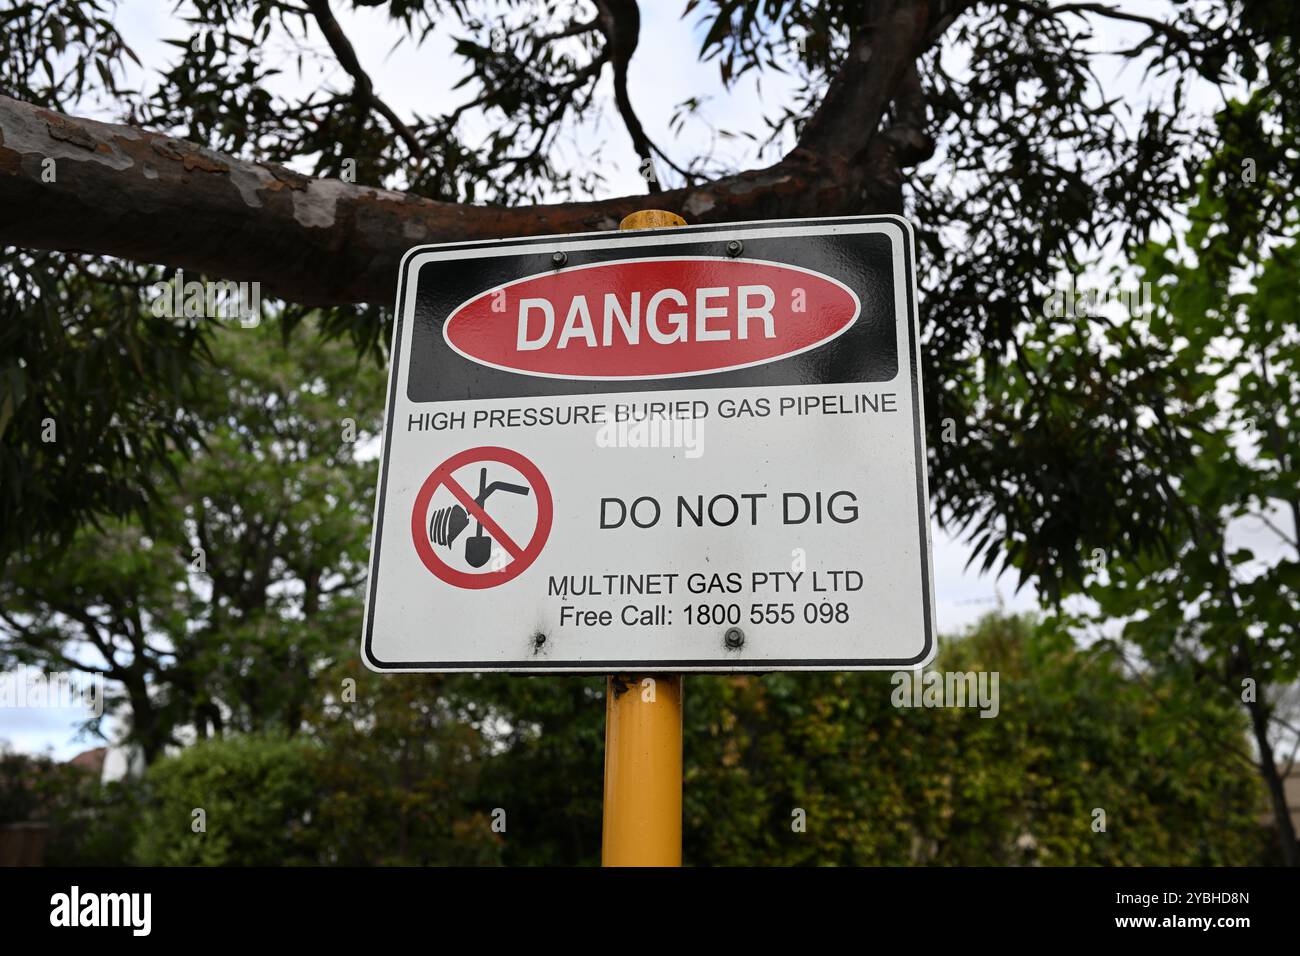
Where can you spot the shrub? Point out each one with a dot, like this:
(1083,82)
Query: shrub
(256,794)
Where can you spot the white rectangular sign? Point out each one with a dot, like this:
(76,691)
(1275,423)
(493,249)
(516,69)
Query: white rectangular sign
(694,449)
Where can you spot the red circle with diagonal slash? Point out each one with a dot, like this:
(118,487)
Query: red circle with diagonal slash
(521,557)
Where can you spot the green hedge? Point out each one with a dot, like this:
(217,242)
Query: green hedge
(256,793)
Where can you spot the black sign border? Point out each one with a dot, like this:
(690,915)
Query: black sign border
(694,666)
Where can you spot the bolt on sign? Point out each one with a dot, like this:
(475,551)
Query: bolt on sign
(694,449)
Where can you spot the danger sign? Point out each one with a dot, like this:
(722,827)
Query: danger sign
(695,449)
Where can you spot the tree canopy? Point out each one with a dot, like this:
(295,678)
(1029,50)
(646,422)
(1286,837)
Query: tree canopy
(985,122)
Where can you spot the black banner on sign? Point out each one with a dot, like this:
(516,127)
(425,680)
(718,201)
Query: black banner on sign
(867,351)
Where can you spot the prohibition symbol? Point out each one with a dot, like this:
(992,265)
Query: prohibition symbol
(448,528)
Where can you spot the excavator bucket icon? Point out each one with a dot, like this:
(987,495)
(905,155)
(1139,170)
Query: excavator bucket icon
(446,524)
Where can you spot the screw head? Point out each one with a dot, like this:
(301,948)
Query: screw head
(560,258)
(734,638)
(735,247)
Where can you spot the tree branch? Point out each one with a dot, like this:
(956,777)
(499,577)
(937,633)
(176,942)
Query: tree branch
(875,66)
(121,191)
(363,88)
(1167,30)
(620,22)
(574,29)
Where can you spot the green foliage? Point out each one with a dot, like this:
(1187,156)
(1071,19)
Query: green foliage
(399,771)
(408,771)
(548,768)
(90,822)
(93,395)
(19,800)
(216,612)
(1225,321)
(93,823)
(1039,170)
(386,783)
(256,792)
(888,785)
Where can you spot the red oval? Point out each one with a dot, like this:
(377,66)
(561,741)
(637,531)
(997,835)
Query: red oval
(666,318)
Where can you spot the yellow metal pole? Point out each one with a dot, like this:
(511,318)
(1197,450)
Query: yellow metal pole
(643,771)
(643,736)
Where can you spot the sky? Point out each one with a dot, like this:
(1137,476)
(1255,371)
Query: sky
(664,72)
